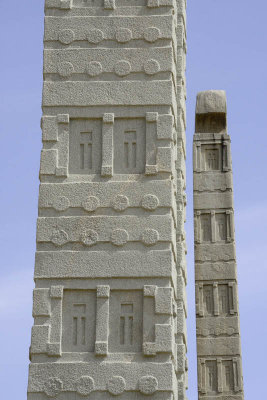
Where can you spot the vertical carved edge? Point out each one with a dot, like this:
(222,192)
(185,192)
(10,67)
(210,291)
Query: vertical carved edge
(102,320)
(107,144)
(54,345)
(151,133)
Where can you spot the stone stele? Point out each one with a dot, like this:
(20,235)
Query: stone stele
(217,322)
(109,304)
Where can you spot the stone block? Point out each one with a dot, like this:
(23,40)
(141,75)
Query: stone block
(63,118)
(41,303)
(151,169)
(121,93)
(163,338)
(54,349)
(181,351)
(215,182)
(90,230)
(147,28)
(210,271)
(228,346)
(150,290)
(181,324)
(50,129)
(215,252)
(163,301)
(219,326)
(165,127)
(120,62)
(164,159)
(163,341)
(70,373)
(206,201)
(114,195)
(103,291)
(109,4)
(40,337)
(56,292)
(101,348)
(213,101)
(48,162)
(93,264)
(153,3)
(61,171)
(66,4)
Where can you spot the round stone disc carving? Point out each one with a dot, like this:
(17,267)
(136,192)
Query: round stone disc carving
(148,384)
(120,203)
(150,202)
(122,68)
(89,238)
(85,385)
(94,68)
(52,387)
(66,36)
(91,203)
(65,69)
(151,67)
(119,237)
(95,36)
(59,237)
(152,34)
(150,237)
(61,203)
(123,35)
(116,385)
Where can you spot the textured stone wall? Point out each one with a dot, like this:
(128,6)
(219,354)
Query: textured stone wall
(109,305)
(218,333)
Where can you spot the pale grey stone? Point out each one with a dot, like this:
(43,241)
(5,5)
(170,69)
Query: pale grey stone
(108,93)
(215,270)
(211,101)
(217,323)
(110,303)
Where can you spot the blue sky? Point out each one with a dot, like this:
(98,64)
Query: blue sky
(226,50)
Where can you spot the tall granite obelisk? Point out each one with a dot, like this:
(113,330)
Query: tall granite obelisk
(109,304)
(218,333)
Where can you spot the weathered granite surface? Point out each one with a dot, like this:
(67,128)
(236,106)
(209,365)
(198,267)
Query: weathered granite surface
(109,305)
(218,333)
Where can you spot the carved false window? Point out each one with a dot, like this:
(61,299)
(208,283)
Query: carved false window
(214,227)
(129,150)
(211,376)
(223,299)
(211,157)
(220,226)
(205,228)
(126,318)
(216,299)
(85,147)
(86,144)
(129,146)
(208,300)
(79,321)
(227,376)
(126,324)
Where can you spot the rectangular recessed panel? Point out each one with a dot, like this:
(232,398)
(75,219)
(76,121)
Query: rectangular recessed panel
(79,313)
(126,316)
